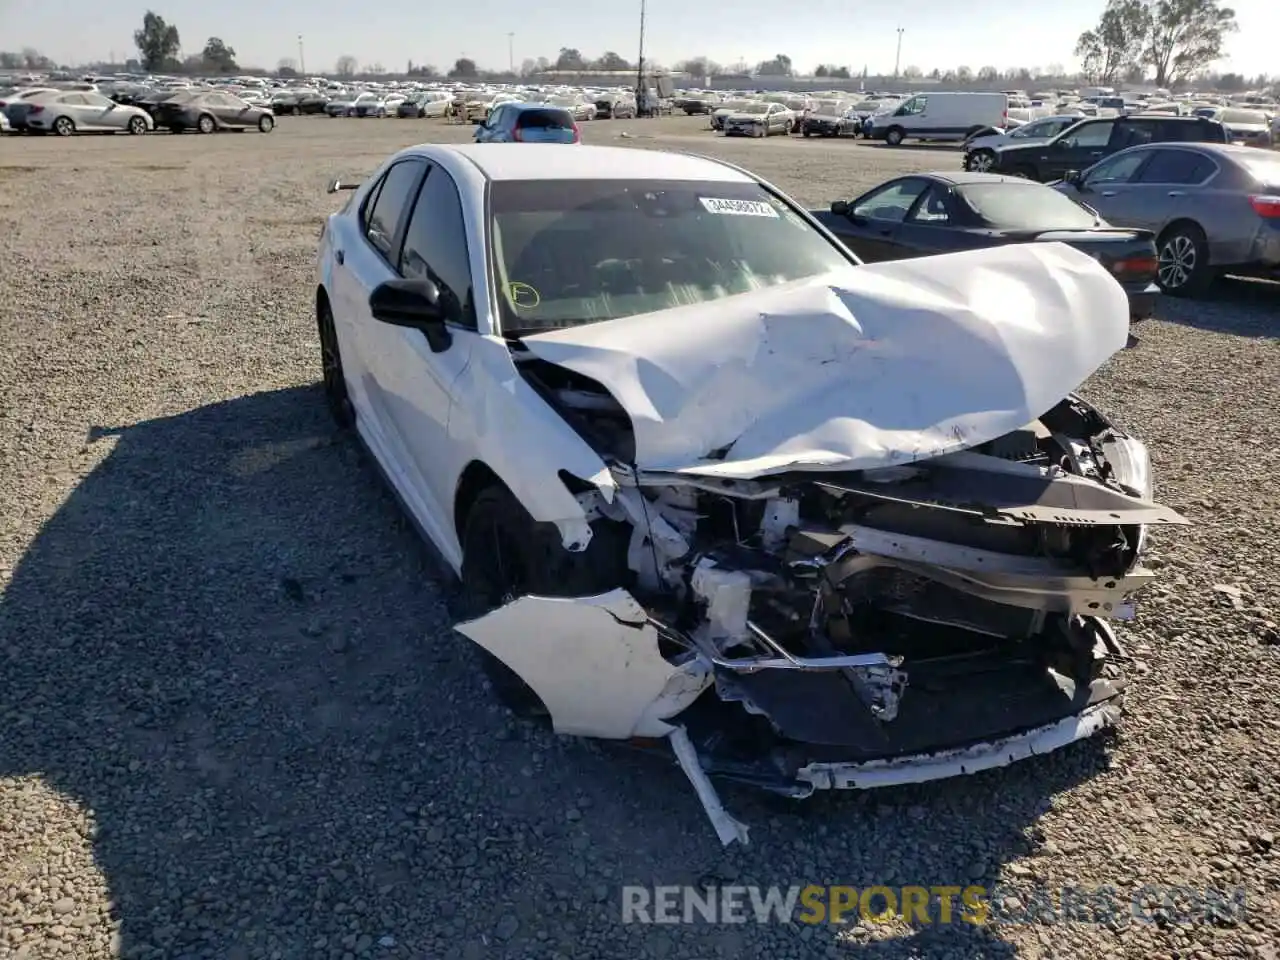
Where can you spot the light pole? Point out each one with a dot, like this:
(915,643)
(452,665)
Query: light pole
(511,52)
(302,60)
(897,60)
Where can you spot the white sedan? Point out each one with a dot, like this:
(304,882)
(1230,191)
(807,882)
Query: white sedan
(711,485)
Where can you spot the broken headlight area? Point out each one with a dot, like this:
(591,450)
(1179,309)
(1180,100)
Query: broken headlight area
(825,629)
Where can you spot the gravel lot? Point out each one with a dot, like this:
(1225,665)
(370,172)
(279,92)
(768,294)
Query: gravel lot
(234,721)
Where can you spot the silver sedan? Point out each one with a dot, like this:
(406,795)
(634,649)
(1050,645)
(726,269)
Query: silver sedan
(76,111)
(1215,208)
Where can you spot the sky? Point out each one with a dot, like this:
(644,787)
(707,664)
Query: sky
(937,33)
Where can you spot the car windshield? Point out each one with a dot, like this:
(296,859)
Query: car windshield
(653,245)
(829,106)
(734,104)
(1025,206)
(1243,116)
(564,101)
(756,108)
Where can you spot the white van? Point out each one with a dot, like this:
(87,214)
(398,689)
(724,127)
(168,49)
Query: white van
(941,116)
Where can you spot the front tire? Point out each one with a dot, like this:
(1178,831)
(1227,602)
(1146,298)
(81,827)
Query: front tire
(506,554)
(137,126)
(335,380)
(980,161)
(894,136)
(266,124)
(1182,264)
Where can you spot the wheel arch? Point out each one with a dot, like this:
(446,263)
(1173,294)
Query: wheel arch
(476,477)
(1178,223)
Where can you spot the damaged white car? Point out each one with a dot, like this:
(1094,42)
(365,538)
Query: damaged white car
(711,485)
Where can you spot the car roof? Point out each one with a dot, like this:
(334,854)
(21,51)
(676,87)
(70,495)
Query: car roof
(1231,151)
(966,178)
(501,161)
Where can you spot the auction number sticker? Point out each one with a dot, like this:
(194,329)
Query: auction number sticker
(738,208)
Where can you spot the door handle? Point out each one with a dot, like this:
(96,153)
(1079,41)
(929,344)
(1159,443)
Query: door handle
(1108,193)
(340,257)
(1176,193)
(885,233)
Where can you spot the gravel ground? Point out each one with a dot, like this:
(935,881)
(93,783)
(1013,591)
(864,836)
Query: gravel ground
(236,724)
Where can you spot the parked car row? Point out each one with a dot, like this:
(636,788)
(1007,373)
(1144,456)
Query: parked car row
(1174,213)
(65,112)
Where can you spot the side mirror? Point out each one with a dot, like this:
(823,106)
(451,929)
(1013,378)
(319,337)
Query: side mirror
(414,304)
(1074,178)
(840,208)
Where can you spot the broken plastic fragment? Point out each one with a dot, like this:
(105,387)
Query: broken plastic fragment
(727,828)
(593,661)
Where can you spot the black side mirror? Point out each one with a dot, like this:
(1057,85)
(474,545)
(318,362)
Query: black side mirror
(415,304)
(1074,178)
(840,208)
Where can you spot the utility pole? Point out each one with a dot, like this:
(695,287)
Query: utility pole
(897,60)
(642,88)
(302,61)
(511,52)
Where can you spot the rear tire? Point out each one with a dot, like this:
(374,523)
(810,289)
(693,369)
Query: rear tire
(206,124)
(335,381)
(1183,268)
(64,126)
(506,554)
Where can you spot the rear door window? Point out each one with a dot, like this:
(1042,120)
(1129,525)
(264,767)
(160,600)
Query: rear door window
(1176,166)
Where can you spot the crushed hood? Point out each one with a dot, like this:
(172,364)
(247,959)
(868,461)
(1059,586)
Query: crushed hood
(863,368)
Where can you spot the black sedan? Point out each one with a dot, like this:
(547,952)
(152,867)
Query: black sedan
(928,213)
(824,119)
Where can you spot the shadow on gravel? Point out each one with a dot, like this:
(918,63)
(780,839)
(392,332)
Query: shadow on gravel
(227,645)
(1236,305)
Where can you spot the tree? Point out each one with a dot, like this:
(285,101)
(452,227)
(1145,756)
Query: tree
(1117,42)
(779,66)
(699,67)
(611,61)
(28,59)
(218,57)
(157,41)
(1055,70)
(570,59)
(346,66)
(839,73)
(286,67)
(1231,83)
(964,74)
(821,71)
(1185,36)
(528,67)
(912,72)
(988,74)
(935,74)
(464,68)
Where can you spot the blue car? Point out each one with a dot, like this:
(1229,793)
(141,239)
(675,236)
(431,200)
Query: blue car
(528,123)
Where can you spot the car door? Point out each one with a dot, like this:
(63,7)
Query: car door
(933,225)
(1162,190)
(1106,186)
(361,262)
(98,113)
(419,388)
(1078,149)
(870,228)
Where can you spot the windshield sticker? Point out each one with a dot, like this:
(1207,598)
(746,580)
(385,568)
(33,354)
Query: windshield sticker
(522,295)
(738,208)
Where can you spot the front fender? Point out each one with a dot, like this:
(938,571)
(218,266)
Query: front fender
(525,442)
